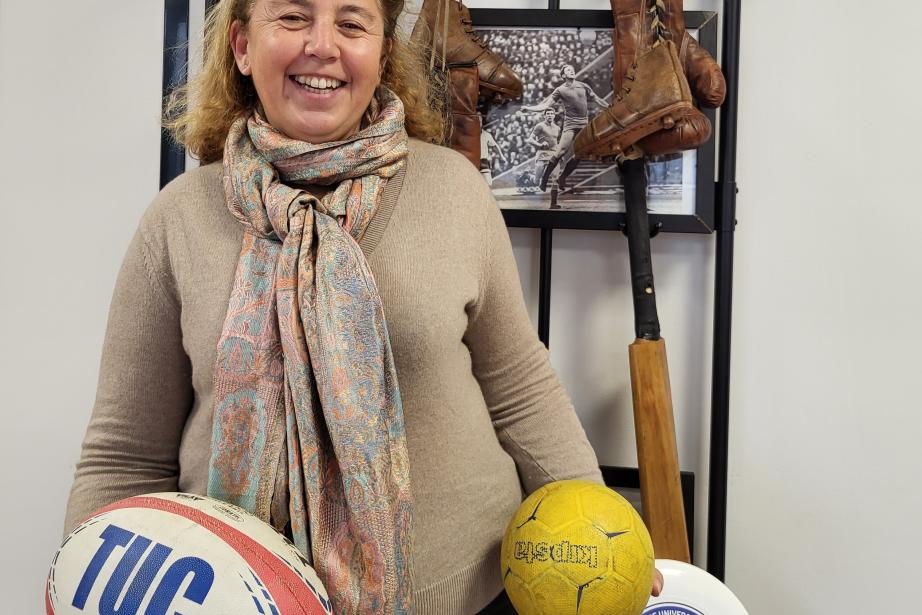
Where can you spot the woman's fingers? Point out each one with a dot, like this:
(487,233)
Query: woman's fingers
(657,583)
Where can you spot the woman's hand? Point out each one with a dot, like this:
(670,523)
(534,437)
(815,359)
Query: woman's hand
(657,583)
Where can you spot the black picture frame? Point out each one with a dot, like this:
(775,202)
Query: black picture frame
(175,63)
(703,219)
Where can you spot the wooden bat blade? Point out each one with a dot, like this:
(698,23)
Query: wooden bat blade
(660,485)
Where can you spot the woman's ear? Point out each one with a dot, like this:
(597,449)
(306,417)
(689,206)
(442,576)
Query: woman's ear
(240,46)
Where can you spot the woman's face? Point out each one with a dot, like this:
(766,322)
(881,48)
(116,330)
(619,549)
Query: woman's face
(315,63)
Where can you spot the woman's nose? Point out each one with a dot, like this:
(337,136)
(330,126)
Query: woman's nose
(321,41)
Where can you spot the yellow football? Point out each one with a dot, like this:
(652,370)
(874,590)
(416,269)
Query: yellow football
(577,547)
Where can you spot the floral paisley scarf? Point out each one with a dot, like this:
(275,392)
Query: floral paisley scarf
(308,422)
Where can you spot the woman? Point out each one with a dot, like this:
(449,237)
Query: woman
(247,354)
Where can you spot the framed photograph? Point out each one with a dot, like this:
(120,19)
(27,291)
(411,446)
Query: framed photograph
(555,52)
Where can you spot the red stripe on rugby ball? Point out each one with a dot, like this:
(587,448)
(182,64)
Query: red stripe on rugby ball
(49,608)
(285,587)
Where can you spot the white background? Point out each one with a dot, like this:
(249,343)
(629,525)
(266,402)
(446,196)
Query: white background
(824,485)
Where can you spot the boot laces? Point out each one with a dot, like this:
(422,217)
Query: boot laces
(658,27)
(441,13)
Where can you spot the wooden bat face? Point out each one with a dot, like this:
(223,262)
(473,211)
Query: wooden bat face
(660,484)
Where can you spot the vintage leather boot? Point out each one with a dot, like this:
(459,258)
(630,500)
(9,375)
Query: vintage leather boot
(444,27)
(463,118)
(638,25)
(654,96)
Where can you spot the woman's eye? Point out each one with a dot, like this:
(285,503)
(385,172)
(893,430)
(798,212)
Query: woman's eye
(349,25)
(293,19)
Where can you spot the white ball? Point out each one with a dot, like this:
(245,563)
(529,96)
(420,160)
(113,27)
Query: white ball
(172,553)
(689,590)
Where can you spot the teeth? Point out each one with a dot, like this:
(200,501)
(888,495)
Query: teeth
(320,83)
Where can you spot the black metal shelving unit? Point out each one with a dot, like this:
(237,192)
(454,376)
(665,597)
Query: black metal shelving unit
(723,296)
(725,224)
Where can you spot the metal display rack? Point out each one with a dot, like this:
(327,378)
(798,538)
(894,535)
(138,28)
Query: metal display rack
(172,163)
(725,224)
(723,295)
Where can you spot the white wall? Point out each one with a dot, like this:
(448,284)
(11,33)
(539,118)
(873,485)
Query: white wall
(825,494)
(79,162)
(824,475)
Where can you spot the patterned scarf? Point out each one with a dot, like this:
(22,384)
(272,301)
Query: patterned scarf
(308,422)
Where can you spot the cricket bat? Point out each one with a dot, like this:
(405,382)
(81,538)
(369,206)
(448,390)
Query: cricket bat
(654,426)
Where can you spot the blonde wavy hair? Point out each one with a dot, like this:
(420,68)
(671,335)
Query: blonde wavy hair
(199,114)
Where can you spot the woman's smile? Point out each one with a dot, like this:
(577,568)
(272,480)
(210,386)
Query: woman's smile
(320,85)
(317,93)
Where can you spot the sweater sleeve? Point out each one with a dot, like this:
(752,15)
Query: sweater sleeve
(531,412)
(144,392)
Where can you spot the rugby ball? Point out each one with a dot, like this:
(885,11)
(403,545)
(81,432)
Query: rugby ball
(170,553)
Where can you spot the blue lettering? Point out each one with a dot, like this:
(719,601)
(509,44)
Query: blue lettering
(141,582)
(202,579)
(113,536)
(119,578)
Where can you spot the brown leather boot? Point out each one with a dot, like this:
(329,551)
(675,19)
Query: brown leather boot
(444,27)
(638,25)
(654,96)
(464,121)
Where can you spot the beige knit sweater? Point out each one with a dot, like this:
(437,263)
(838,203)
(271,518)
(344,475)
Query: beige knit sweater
(486,416)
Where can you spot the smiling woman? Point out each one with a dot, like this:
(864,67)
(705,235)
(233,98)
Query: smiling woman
(327,307)
(295,40)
